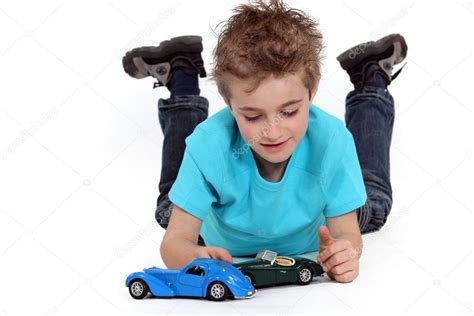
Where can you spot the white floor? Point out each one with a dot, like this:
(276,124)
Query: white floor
(80,149)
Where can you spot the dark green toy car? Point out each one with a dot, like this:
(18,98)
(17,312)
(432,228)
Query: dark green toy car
(268,269)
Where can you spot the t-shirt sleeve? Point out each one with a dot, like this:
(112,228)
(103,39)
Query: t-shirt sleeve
(343,183)
(194,189)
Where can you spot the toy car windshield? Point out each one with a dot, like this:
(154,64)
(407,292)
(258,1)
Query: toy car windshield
(267,255)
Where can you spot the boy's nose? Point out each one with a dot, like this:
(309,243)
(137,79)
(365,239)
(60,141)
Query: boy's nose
(273,136)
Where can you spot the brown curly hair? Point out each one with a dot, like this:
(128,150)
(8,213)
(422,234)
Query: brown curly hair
(262,39)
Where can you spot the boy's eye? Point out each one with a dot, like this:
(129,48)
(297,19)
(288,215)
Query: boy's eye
(254,118)
(290,113)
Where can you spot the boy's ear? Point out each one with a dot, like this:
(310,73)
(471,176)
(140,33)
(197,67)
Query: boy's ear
(314,89)
(225,98)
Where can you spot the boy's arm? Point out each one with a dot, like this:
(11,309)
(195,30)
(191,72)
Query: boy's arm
(179,246)
(340,247)
(346,227)
(180,240)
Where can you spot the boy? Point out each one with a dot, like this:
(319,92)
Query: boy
(271,170)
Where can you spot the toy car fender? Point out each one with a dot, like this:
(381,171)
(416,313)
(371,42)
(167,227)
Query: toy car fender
(154,285)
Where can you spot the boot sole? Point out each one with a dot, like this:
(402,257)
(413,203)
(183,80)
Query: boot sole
(358,53)
(180,44)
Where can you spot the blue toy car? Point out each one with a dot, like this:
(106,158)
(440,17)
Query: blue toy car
(210,278)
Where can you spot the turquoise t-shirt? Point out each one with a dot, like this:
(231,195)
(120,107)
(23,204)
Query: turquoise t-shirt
(219,183)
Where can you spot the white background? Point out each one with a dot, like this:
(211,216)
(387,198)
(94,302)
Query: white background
(80,157)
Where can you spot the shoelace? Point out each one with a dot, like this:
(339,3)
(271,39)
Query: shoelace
(189,60)
(395,75)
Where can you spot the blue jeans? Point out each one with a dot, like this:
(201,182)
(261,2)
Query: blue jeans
(178,117)
(369,116)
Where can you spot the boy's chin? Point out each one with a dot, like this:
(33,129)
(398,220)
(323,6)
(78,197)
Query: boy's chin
(275,157)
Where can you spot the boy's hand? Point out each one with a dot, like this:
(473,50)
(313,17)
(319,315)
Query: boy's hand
(214,253)
(338,257)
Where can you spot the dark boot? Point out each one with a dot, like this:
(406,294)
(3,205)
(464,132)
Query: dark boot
(363,61)
(160,62)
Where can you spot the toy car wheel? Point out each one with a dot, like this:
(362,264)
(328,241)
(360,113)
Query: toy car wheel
(249,276)
(138,289)
(217,291)
(304,276)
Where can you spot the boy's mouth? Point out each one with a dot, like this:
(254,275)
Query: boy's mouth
(276,144)
(274,147)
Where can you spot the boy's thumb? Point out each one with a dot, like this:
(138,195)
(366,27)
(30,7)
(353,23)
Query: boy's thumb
(325,238)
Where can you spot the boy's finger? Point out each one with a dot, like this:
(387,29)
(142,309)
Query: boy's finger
(343,267)
(221,254)
(327,253)
(203,253)
(226,256)
(346,277)
(336,259)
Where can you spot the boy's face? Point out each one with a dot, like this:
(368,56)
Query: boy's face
(274,113)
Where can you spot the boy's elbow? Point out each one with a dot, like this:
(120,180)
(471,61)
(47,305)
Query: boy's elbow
(163,252)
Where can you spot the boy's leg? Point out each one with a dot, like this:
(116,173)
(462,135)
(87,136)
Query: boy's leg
(176,64)
(370,117)
(178,117)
